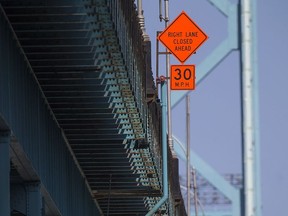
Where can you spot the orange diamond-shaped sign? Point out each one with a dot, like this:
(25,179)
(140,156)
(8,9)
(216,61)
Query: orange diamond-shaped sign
(182,37)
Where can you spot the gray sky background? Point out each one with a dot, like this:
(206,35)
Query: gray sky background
(215,104)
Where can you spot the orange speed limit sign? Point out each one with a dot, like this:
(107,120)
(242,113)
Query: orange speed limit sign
(182,77)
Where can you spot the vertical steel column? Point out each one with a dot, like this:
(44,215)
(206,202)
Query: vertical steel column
(248,88)
(164,96)
(169,112)
(195,191)
(4,173)
(164,151)
(34,199)
(257,180)
(188,152)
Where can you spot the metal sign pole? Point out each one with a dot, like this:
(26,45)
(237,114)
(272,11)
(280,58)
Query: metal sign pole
(169,116)
(188,152)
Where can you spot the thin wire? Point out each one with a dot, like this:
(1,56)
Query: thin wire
(195,190)
(198,201)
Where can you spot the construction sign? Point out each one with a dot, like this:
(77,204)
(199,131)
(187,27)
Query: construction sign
(182,37)
(182,77)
